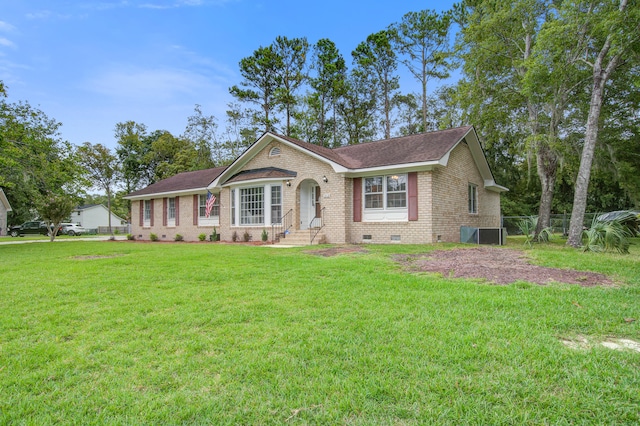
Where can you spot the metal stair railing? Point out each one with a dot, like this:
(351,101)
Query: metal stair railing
(314,226)
(280,229)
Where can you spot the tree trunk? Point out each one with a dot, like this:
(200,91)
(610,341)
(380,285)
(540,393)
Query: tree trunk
(600,77)
(547,166)
(109,208)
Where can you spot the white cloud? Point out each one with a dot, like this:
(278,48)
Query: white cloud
(7,43)
(146,85)
(6,27)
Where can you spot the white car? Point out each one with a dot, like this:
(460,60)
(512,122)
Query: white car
(72,229)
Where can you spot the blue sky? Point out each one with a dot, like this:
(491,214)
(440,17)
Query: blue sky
(92,64)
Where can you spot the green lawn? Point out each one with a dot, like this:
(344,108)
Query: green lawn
(141,333)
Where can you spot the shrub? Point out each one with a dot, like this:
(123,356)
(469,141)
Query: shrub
(234,236)
(264,236)
(178,237)
(131,237)
(153,237)
(528,228)
(606,236)
(214,234)
(246,237)
(202,237)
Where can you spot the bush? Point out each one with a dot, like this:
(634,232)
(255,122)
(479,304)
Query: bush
(202,237)
(214,235)
(528,228)
(153,237)
(178,237)
(264,236)
(131,237)
(606,236)
(246,237)
(234,236)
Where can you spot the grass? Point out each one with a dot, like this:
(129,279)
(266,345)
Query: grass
(139,333)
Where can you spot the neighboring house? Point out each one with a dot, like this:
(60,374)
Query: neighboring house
(5,207)
(413,189)
(94,216)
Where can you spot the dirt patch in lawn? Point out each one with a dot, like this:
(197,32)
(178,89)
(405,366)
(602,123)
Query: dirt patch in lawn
(499,266)
(97,256)
(334,251)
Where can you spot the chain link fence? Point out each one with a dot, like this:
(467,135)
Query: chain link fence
(559,223)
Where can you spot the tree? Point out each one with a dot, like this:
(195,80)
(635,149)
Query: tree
(328,84)
(356,108)
(34,161)
(376,57)
(240,132)
(201,132)
(293,55)
(610,43)
(507,85)
(133,146)
(423,37)
(169,155)
(262,80)
(54,209)
(102,168)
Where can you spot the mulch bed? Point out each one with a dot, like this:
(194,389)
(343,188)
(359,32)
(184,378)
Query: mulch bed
(499,266)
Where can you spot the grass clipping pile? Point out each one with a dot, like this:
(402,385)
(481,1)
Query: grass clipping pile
(499,266)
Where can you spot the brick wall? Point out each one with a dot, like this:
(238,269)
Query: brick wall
(450,197)
(307,168)
(442,203)
(185,225)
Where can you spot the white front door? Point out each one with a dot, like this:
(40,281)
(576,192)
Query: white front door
(309,201)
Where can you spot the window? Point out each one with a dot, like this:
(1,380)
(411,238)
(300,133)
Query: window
(202,206)
(397,191)
(276,204)
(171,209)
(385,192)
(252,206)
(147,212)
(373,193)
(473,198)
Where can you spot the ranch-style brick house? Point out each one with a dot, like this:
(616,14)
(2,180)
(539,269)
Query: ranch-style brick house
(413,189)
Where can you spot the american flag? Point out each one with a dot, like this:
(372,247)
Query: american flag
(211,199)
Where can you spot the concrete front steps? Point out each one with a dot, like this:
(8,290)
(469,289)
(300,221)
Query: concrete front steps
(300,238)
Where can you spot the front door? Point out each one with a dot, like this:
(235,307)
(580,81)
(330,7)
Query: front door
(309,203)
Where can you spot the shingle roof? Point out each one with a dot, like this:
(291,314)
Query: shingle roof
(410,149)
(181,182)
(267,172)
(327,153)
(419,148)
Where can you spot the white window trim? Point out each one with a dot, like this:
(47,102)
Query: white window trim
(212,220)
(146,223)
(384,213)
(171,221)
(472,198)
(266,203)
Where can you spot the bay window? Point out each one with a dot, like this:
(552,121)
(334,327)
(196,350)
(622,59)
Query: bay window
(256,205)
(252,206)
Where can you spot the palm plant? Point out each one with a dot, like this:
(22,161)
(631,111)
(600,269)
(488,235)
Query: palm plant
(610,235)
(528,228)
